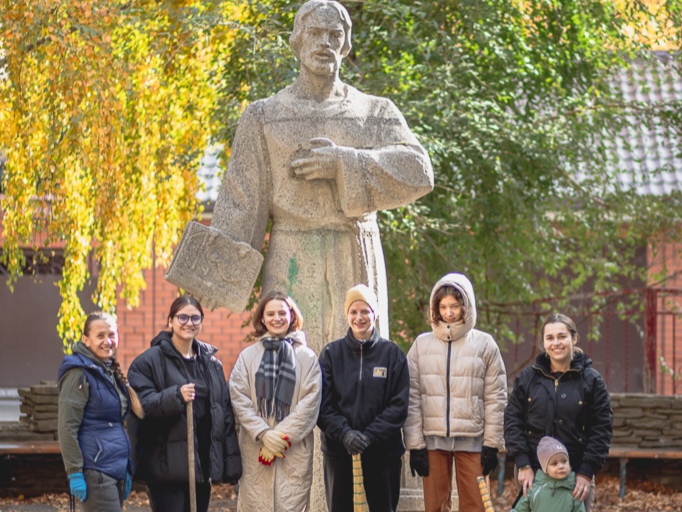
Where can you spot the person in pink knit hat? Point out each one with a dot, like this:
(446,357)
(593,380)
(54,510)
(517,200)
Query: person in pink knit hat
(554,483)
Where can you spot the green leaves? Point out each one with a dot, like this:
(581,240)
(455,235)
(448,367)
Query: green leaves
(106,106)
(511,99)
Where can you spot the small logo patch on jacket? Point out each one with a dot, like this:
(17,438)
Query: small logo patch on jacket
(380,372)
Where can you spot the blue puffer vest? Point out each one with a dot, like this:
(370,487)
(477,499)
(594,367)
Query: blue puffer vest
(102,437)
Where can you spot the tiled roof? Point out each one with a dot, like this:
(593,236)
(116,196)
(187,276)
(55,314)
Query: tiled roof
(650,159)
(209,173)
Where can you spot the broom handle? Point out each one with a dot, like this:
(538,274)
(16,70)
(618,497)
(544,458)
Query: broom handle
(359,498)
(190,457)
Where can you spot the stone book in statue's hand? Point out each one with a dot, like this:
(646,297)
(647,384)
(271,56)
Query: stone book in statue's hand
(214,268)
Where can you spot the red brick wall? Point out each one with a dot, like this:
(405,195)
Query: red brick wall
(138,326)
(669,326)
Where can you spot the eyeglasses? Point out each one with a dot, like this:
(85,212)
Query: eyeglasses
(183,319)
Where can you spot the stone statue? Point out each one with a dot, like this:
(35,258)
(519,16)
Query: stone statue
(317,159)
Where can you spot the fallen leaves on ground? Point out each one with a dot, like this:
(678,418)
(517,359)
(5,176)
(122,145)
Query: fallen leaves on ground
(223,499)
(640,495)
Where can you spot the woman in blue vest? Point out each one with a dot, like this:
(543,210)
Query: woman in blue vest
(94,398)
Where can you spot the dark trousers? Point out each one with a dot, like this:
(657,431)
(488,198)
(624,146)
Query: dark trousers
(105,494)
(381,476)
(174,497)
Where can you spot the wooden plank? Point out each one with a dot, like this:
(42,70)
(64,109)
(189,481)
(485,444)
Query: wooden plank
(644,453)
(29,447)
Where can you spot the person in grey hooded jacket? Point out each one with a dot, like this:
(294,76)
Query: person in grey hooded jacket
(458,392)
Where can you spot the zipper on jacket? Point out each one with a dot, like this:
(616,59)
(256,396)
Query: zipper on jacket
(556,387)
(447,394)
(361,346)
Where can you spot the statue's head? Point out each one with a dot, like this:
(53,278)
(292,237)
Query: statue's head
(306,10)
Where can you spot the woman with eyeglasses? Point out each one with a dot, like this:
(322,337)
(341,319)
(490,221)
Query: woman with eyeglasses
(175,370)
(276,386)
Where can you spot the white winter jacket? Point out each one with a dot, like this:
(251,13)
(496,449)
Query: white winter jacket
(458,382)
(285,485)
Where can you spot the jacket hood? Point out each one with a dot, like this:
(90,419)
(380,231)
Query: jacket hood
(82,358)
(461,283)
(81,348)
(164,340)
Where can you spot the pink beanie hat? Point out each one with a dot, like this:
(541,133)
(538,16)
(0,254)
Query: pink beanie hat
(547,448)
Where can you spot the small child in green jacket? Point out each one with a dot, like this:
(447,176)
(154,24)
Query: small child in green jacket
(553,486)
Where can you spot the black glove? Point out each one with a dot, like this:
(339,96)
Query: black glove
(355,441)
(419,462)
(488,460)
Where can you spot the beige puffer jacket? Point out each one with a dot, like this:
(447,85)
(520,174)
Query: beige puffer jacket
(458,382)
(285,485)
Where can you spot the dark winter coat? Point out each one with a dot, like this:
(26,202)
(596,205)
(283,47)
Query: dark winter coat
(574,408)
(91,430)
(365,387)
(161,437)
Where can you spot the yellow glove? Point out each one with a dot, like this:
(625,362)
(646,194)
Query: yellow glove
(275,441)
(266,457)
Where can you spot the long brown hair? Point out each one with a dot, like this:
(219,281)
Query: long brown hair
(296,316)
(135,404)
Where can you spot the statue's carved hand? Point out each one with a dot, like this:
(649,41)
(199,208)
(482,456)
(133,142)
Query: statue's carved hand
(322,162)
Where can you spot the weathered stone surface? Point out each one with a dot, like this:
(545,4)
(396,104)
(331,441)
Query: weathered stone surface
(42,400)
(317,160)
(645,401)
(44,425)
(636,412)
(214,268)
(653,444)
(45,389)
(648,422)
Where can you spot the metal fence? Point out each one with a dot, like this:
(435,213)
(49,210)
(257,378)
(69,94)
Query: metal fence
(634,337)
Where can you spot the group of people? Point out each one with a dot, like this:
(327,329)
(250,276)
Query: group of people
(445,402)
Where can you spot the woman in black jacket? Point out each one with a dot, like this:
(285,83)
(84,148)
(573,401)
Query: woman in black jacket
(561,396)
(177,369)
